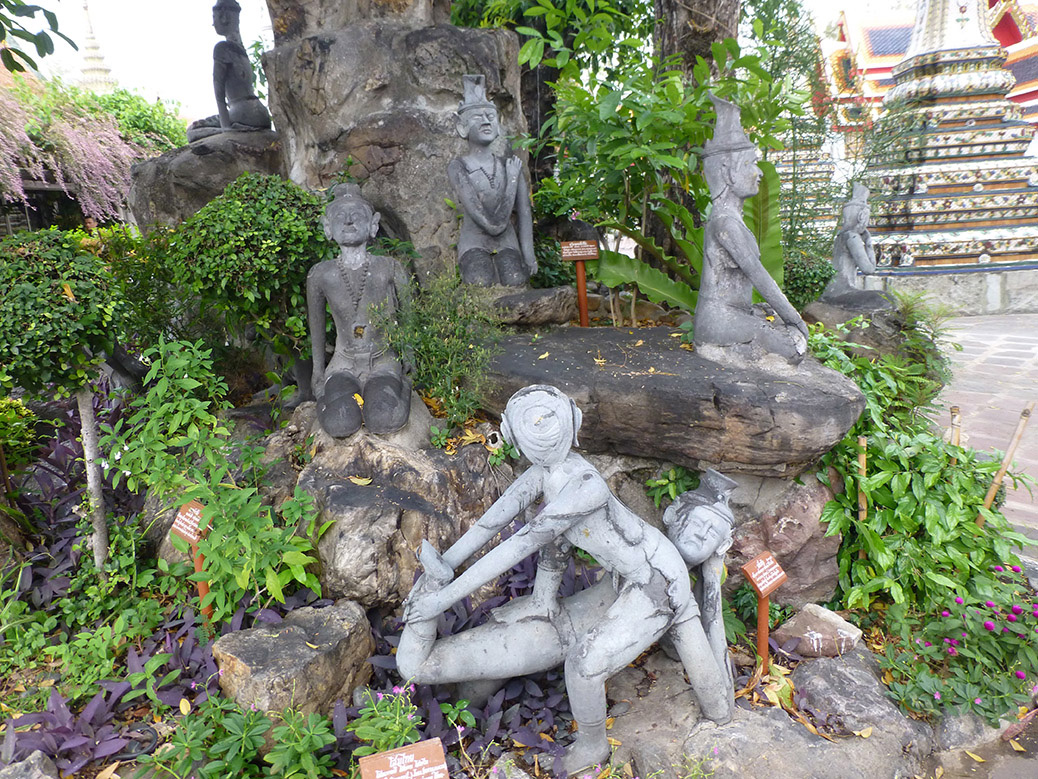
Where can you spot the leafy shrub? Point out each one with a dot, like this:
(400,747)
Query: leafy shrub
(58,312)
(17,433)
(552,270)
(448,336)
(154,127)
(670,483)
(386,721)
(246,254)
(805,278)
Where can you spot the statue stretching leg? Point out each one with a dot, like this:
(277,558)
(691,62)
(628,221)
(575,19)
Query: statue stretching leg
(596,632)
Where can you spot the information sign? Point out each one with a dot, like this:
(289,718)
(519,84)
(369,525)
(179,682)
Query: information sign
(187,521)
(579,250)
(424,760)
(764,574)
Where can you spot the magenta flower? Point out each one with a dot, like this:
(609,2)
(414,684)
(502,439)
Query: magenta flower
(989,625)
(1017,609)
(990,604)
(952,651)
(1011,617)
(927,643)
(999,568)
(958,600)
(954,642)
(945,613)
(1021,675)
(977,701)
(1016,569)
(936,696)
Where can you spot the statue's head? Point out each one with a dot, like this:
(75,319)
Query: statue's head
(226,14)
(856,210)
(542,422)
(477,116)
(729,158)
(349,219)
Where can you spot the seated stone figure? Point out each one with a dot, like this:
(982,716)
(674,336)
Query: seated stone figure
(725,315)
(365,382)
(489,190)
(853,251)
(237,106)
(594,633)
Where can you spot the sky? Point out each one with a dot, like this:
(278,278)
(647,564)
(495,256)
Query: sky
(163,49)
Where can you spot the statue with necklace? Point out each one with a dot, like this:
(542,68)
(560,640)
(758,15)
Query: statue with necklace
(365,383)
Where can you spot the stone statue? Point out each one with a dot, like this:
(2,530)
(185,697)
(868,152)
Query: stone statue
(853,251)
(489,190)
(725,315)
(594,633)
(237,106)
(365,382)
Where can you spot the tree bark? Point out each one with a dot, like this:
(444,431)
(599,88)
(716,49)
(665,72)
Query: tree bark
(91,457)
(688,27)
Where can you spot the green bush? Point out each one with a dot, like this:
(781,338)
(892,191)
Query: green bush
(245,255)
(17,433)
(805,278)
(552,270)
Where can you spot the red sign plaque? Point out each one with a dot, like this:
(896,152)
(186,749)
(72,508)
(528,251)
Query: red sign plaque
(424,760)
(579,250)
(186,523)
(764,574)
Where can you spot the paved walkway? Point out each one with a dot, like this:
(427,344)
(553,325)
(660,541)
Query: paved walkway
(995,376)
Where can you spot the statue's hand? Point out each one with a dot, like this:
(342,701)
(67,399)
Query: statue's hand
(423,603)
(514,168)
(317,385)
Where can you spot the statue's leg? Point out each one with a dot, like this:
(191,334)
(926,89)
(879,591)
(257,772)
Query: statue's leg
(387,403)
(510,268)
(338,410)
(709,682)
(477,267)
(630,626)
(708,595)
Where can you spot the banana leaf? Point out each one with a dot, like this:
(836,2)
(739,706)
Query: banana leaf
(761,215)
(614,269)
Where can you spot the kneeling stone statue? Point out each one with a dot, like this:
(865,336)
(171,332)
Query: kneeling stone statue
(594,633)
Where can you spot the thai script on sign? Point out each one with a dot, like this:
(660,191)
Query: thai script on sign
(424,760)
(764,574)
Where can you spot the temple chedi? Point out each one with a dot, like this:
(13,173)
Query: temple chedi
(957,190)
(95,75)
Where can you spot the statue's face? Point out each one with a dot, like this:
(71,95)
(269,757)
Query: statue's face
(541,427)
(480,125)
(350,224)
(224,20)
(744,173)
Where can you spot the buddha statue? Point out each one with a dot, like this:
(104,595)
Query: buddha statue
(365,383)
(490,189)
(853,251)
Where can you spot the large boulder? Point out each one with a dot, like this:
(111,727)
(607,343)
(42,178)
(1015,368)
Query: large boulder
(311,659)
(167,190)
(644,395)
(384,93)
(35,766)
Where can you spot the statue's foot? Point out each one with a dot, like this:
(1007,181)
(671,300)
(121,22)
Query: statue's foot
(584,752)
(387,404)
(338,410)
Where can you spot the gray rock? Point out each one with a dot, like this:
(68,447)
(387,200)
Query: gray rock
(35,766)
(368,555)
(820,632)
(963,731)
(849,688)
(308,661)
(168,189)
(643,395)
(506,767)
(537,307)
(882,331)
(385,94)
(793,532)
(295,19)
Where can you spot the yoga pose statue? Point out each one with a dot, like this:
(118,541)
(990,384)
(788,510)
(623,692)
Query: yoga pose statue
(853,251)
(725,314)
(594,633)
(489,190)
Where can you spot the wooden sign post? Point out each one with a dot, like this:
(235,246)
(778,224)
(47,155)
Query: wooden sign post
(765,575)
(424,760)
(185,526)
(578,251)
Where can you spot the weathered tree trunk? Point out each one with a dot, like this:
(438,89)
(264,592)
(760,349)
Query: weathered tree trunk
(91,456)
(688,27)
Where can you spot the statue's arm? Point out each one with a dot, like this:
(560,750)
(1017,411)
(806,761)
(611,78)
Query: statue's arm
(315,310)
(520,494)
(471,203)
(220,70)
(863,252)
(524,221)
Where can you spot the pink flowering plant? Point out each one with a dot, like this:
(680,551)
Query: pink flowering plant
(977,653)
(386,721)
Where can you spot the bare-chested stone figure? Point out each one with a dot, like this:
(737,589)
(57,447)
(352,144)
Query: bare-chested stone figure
(725,314)
(238,108)
(490,189)
(594,633)
(365,383)
(853,251)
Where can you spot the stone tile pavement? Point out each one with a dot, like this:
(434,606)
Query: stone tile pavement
(994,377)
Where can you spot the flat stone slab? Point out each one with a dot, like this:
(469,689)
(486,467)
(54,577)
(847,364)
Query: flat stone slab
(644,395)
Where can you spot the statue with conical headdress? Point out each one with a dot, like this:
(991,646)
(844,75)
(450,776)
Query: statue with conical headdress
(238,108)
(725,313)
(852,252)
(491,191)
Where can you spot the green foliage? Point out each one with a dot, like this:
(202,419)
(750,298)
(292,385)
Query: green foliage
(386,721)
(246,254)
(17,433)
(671,483)
(500,455)
(614,269)
(761,214)
(14,15)
(58,313)
(298,741)
(448,337)
(439,436)
(155,127)
(744,604)
(552,270)
(805,277)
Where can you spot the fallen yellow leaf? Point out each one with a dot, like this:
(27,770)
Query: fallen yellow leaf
(185,707)
(614,742)
(47,683)
(687,347)
(66,290)
(675,335)
(1016,745)
(938,773)
(978,758)
(864,733)
(652,370)
(358,398)
(543,355)
(546,737)
(360,481)
(639,342)
(770,318)
(599,361)
(312,646)
(1022,711)
(609,722)
(470,436)
(108,771)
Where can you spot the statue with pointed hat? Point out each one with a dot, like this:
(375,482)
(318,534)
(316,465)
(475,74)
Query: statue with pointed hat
(238,108)
(496,241)
(852,252)
(365,383)
(725,314)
